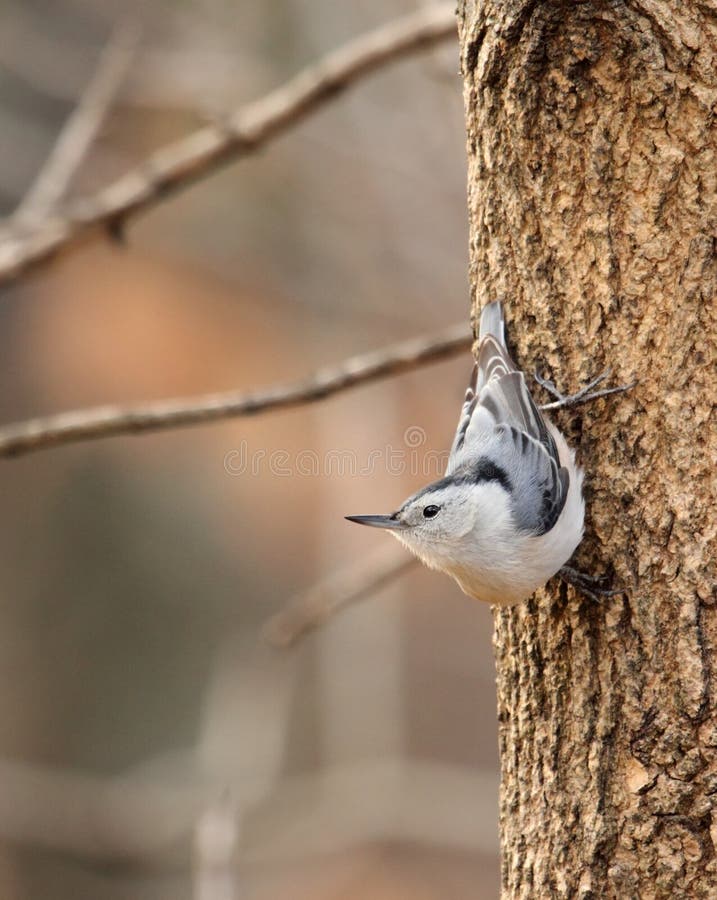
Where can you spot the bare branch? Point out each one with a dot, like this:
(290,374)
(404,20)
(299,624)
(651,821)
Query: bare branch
(146,821)
(80,129)
(106,421)
(184,162)
(324,600)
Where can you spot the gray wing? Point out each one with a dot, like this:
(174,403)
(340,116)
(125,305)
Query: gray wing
(501,424)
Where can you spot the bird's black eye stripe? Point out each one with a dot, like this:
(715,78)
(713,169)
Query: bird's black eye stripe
(430,511)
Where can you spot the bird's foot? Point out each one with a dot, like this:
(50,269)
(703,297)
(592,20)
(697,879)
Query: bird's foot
(588,585)
(584,395)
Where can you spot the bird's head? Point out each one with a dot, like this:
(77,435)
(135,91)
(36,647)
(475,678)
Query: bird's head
(446,522)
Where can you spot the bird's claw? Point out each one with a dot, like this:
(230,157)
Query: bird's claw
(588,585)
(584,395)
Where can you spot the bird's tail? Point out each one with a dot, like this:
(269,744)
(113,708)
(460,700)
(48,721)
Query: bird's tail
(494,360)
(492,322)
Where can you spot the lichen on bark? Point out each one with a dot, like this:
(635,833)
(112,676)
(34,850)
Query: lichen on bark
(592,158)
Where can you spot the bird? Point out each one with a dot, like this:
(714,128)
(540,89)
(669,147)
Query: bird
(509,512)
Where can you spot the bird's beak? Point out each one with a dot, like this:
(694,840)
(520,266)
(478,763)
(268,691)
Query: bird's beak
(377,521)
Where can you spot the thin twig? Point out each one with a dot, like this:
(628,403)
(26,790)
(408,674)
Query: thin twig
(321,602)
(184,162)
(81,128)
(217,834)
(106,421)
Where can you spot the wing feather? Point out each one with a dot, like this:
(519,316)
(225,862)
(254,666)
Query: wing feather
(500,423)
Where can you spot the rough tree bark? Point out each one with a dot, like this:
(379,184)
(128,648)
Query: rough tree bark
(593,210)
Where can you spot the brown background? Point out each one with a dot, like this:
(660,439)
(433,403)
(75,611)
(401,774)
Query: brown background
(138,703)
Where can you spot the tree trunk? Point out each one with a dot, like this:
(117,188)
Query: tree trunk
(593,211)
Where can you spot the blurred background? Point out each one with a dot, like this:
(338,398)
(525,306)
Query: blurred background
(153,744)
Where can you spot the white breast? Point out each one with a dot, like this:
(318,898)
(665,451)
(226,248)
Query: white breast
(513,566)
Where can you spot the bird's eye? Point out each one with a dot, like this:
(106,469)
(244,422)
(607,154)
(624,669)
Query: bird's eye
(430,511)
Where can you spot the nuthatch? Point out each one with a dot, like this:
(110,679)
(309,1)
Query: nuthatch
(509,512)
